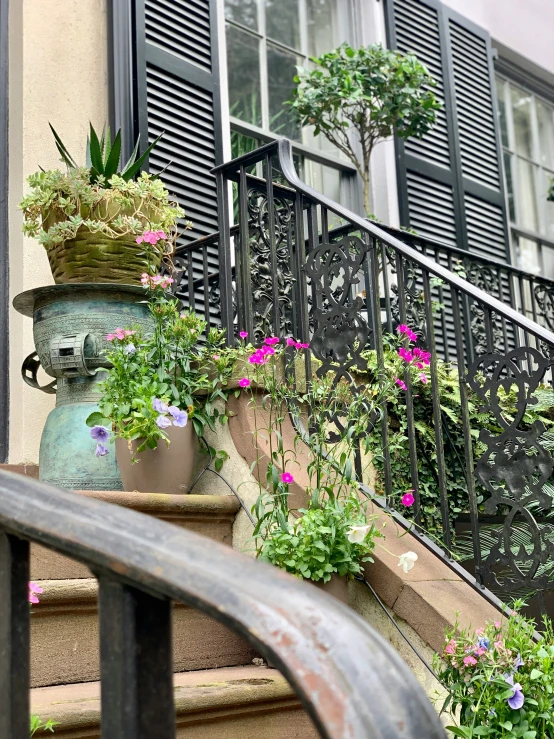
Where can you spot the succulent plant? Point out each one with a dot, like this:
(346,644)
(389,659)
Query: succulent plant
(103,156)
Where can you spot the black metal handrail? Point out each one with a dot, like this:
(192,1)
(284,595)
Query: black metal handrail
(352,683)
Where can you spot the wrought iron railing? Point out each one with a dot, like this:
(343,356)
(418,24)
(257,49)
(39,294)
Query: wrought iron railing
(284,270)
(351,682)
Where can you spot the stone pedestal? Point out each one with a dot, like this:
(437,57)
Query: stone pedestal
(70,324)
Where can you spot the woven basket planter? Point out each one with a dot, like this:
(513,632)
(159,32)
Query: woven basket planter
(94,257)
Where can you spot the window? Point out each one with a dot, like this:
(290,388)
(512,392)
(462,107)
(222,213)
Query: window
(527,130)
(266,41)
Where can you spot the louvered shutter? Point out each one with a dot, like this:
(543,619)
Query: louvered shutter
(167,80)
(450,182)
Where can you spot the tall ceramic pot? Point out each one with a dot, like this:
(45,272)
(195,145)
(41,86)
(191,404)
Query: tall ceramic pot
(166,469)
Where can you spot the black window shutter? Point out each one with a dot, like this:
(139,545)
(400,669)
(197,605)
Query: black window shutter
(166,79)
(450,182)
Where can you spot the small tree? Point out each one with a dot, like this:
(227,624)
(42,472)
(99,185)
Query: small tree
(374,91)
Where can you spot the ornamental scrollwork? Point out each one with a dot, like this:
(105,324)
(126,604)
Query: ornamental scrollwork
(513,467)
(261,271)
(485,278)
(544,296)
(340,328)
(414,301)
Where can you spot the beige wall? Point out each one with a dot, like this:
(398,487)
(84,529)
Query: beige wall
(58,73)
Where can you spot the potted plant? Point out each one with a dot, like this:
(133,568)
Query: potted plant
(370,91)
(500,679)
(159,395)
(328,541)
(98,222)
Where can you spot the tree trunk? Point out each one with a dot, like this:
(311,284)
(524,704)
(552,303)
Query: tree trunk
(367,204)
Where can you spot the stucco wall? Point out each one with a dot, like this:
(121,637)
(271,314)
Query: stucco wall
(58,74)
(525,26)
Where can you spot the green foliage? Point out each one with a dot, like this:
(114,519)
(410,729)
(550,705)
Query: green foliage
(168,366)
(372,91)
(103,156)
(37,724)
(481,672)
(317,545)
(64,205)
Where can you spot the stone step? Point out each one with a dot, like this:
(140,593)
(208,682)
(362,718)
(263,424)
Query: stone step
(231,703)
(64,636)
(210,515)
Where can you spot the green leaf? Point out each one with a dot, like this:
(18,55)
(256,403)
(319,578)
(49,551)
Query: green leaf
(98,419)
(460,731)
(67,158)
(112,163)
(95,152)
(133,169)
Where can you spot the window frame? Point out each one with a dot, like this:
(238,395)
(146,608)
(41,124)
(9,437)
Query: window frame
(350,184)
(517,230)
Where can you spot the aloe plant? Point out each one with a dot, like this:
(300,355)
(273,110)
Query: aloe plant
(103,156)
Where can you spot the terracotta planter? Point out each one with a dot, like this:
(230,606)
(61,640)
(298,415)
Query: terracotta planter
(166,469)
(337,587)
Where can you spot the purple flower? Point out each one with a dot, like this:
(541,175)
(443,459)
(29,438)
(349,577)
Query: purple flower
(99,433)
(163,422)
(180,417)
(519,662)
(160,407)
(517,700)
(483,642)
(101,450)
(130,349)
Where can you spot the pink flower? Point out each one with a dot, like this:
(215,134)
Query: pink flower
(405,354)
(129,333)
(400,383)
(145,279)
(450,647)
(119,333)
(244,382)
(287,478)
(406,331)
(257,358)
(110,337)
(34,592)
(497,624)
(422,355)
(161,234)
(215,356)
(423,378)
(271,340)
(243,334)
(470,661)
(408,499)
(480,651)
(139,239)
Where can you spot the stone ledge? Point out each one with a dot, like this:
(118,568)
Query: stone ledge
(31,470)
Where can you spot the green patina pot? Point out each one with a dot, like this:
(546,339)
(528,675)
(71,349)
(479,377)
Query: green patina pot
(70,324)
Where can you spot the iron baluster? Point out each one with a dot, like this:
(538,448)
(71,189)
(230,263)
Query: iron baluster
(206,290)
(225,264)
(272,248)
(244,292)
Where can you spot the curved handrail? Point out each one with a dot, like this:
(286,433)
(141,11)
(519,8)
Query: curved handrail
(350,680)
(283,149)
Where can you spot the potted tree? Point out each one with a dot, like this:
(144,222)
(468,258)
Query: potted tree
(370,91)
(100,223)
(159,395)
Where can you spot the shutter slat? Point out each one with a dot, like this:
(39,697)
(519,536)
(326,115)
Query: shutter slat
(181,29)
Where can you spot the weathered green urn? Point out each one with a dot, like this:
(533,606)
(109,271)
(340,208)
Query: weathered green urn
(70,324)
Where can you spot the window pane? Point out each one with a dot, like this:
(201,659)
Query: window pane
(548,205)
(527,196)
(548,262)
(241,145)
(281,68)
(545,115)
(282,22)
(501,96)
(326,180)
(244,76)
(242,11)
(322,26)
(521,106)
(509,185)
(528,256)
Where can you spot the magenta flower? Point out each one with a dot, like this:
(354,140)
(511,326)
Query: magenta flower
(423,378)
(287,478)
(408,499)
(257,358)
(406,331)
(271,340)
(405,354)
(299,345)
(290,342)
(244,382)
(400,383)
(243,334)
(163,422)
(422,355)
(34,591)
(267,350)
(99,433)
(101,450)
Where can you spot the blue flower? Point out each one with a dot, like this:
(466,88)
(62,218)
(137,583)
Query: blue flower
(483,642)
(519,662)
(101,450)
(517,699)
(180,418)
(99,433)
(157,405)
(163,422)
(130,349)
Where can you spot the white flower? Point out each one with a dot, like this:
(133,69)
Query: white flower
(407,561)
(357,534)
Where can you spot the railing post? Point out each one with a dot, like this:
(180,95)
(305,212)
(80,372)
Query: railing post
(135,663)
(225,265)
(14,637)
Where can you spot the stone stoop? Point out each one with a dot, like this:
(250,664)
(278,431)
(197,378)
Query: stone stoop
(229,703)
